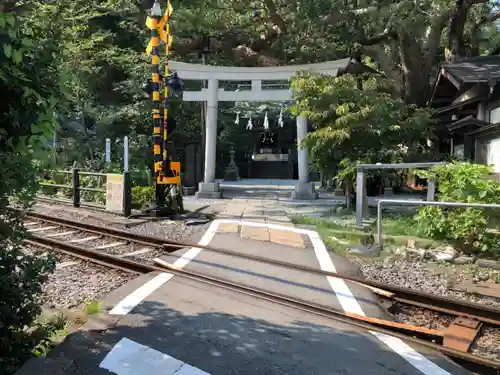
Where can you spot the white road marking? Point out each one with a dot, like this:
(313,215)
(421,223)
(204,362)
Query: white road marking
(62,234)
(339,286)
(132,300)
(127,304)
(131,358)
(109,245)
(416,359)
(349,302)
(80,240)
(40,229)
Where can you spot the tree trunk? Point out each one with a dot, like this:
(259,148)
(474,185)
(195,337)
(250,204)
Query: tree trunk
(456,31)
(417,85)
(416,67)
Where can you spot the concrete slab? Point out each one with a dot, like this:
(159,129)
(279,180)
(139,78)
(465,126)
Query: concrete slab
(223,333)
(254,233)
(228,228)
(286,238)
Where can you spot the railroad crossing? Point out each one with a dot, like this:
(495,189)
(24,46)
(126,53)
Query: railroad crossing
(164,323)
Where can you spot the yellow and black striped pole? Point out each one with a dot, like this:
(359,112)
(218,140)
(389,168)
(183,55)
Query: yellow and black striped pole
(156,114)
(168,43)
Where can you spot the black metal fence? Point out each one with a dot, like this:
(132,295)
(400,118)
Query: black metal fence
(76,188)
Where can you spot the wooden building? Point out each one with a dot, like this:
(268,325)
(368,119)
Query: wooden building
(273,154)
(466,96)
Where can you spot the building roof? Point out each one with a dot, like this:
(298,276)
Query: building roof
(474,69)
(452,77)
(466,124)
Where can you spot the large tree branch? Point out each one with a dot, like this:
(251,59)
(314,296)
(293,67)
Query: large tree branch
(457,26)
(229,44)
(385,35)
(275,17)
(438,23)
(386,60)
(375,9)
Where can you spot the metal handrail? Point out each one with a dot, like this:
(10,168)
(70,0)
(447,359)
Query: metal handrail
(401,202)
(98,174)
(399,165)
(56,185)
(95,190)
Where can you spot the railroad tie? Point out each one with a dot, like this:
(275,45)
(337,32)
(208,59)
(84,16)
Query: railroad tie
(42,229)
(110,245)
(54,235)
(80,240)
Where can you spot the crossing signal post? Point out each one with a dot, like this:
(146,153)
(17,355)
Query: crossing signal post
(167,173)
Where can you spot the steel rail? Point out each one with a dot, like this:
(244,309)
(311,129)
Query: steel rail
(474,363)
(110,232)
(445,305)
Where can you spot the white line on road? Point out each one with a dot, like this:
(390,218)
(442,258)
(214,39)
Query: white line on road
(339,286)
(132,300)
(349,302)
(131,358)
(127,304)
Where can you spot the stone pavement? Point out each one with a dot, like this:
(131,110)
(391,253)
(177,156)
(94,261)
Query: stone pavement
(263,211)
(265,196)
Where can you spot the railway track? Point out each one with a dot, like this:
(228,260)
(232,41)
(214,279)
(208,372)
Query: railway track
(137,253)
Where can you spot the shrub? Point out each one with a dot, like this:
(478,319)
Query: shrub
(21,278)
(94,182)
(48,190)
(464,227)
(142,196)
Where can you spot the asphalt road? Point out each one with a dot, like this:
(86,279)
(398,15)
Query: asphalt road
(184,327)
(222,332)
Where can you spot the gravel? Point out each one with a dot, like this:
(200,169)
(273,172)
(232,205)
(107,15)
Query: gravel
(488,344)
(72,285)
(75,282)
(415,275)
(421,317)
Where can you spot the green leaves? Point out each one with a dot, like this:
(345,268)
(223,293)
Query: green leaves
(356,119)
(7,50)
(467,228)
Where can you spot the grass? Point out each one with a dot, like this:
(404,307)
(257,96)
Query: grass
(342,234)
(92,307)
(50,329)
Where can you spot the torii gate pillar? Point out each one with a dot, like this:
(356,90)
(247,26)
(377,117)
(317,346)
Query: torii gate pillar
(304,189)
(209,188)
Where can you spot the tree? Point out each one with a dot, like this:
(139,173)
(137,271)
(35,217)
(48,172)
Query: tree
(30,92)
(356,119)
(405,38)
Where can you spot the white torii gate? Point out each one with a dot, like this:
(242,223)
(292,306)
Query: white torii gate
(304,189)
